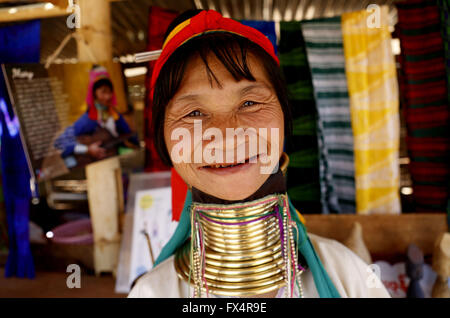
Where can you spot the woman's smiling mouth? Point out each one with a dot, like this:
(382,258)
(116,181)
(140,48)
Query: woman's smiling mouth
(227,168)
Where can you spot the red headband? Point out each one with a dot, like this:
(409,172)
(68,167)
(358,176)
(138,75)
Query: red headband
(204,22)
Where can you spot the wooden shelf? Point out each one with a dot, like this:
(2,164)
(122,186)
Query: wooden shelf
(386,236)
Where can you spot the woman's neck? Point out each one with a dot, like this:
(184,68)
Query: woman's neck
(276,183)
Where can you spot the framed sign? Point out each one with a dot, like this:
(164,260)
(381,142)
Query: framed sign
(148,226)
(56,126)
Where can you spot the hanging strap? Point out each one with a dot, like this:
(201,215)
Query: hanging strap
(63,44)
(324,285)
(181,234)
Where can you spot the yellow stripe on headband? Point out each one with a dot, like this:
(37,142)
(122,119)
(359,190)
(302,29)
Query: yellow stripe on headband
(177,29)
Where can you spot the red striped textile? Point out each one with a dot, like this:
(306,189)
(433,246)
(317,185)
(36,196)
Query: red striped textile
(425,101)
(158,22)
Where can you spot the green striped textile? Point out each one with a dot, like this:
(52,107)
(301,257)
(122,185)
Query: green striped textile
(303,171)
(325,53)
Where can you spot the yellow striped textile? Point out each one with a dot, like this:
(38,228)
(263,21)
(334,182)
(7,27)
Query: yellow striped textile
(374,108)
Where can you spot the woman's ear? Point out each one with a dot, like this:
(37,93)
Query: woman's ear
(284,162)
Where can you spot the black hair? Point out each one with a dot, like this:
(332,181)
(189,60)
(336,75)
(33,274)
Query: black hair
(232,51)
(181,18)
(102,82)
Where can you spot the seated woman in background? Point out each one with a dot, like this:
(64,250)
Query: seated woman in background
(238,235)
(96,134)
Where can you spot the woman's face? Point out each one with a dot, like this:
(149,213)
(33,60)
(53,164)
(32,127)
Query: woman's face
(104,95)
(211,112)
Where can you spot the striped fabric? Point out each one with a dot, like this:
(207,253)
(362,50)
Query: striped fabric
(373,91)
(159,20)
(424,93)
(444,8)
(324,45)
(303,171)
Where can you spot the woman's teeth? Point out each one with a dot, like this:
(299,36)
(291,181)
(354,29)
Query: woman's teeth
(231,165)
(224,166)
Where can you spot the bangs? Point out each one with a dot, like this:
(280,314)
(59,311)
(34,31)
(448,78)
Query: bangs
(230,49)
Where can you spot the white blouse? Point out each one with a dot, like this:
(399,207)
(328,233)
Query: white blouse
(350,275)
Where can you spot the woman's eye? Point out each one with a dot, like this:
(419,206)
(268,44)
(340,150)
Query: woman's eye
(194,113)
(249,103)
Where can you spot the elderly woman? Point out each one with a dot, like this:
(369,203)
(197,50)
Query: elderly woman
(221,116)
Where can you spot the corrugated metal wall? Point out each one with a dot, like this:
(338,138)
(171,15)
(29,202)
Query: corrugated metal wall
(129,18)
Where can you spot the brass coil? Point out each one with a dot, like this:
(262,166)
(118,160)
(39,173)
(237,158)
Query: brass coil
(242,257)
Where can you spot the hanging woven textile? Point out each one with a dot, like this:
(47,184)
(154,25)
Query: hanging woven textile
(373,91)
(19,43)
(444,8)
(265,27)
(325,53)
(303,170)
(425,95)
(3,228)
(158,21)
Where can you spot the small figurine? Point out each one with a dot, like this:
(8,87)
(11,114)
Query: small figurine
(355,242)
(414,270)
(441,265)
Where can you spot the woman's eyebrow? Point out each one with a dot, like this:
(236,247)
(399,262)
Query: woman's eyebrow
(180,104)
(243,91)
(251,87)
(187,97)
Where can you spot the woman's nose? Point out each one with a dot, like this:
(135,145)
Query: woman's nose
(223,121)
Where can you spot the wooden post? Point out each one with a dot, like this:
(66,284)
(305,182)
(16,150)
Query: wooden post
(104,183)
(104,190)
(95,40)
